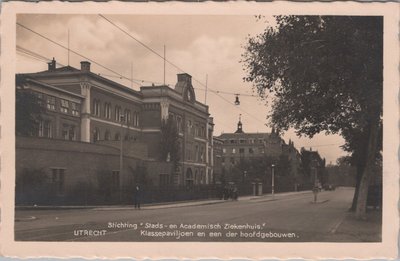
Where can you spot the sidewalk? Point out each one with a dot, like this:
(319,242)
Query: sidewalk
(264,197)
(355,230)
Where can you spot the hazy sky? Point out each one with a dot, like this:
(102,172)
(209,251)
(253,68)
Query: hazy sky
(200,45)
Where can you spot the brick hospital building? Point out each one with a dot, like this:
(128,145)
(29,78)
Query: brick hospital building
(86,119)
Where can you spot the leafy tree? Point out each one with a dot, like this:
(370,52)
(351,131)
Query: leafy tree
(169,146)
(28,110)
(326,74)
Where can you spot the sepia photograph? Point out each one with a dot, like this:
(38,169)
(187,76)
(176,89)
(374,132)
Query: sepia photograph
(206,128)
(186,128)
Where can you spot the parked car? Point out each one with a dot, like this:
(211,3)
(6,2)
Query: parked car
(329,187)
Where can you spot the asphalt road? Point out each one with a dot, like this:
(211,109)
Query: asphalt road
(288,218)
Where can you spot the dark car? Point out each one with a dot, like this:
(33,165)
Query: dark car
(329,187)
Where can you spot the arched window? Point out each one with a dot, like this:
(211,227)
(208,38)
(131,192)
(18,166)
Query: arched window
(189,177)
(117,113)
(135,118)
(127,116)
(96,107)
(107,110)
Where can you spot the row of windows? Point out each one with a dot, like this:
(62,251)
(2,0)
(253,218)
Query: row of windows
(242,150)
(65,106)
(197,178)
(97,135)
(198,153)
(195,129)
(118,116)
(68,131)
(250,141)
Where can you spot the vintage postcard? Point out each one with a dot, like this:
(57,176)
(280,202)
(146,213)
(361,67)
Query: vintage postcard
(199,130)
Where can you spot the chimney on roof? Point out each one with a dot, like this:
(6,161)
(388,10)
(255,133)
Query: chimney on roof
(52,65)
(184,77)
(85,66)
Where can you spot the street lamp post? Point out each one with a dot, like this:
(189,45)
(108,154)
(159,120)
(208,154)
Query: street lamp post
(272,181)
(121,117)
(315,189)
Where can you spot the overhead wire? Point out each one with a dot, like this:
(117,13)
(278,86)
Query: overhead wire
(217,92)
(75,52)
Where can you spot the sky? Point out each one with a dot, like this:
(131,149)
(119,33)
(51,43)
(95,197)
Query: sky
(207,47)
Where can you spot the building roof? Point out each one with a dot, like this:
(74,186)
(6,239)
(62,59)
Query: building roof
(245,135)
(69,70)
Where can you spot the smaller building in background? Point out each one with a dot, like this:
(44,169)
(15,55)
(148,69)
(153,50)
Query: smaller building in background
(217,156)
(313,167)
(250,157)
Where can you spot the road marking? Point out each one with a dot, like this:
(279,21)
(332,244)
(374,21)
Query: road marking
(336,226)
(30,218)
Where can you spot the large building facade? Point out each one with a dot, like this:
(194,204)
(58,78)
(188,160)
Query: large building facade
(80,106)
(239,147)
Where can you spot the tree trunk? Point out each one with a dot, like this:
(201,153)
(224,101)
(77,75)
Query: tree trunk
(360,170)
(365,178)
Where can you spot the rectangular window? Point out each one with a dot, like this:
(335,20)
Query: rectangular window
(223,150)
(68,132)
(51,103)
(40,99)
(233,161)
(223,160)
(64,106)
(241,150)
(242,141)
(72,133)
(75,108)
(48,132)
(261,150)
(41,129)
(251,151)
(233,151)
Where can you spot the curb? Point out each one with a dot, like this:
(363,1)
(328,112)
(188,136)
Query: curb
(261,198)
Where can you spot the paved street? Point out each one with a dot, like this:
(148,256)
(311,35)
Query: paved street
(290,217)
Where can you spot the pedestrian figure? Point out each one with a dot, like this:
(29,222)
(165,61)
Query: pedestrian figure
(137,197)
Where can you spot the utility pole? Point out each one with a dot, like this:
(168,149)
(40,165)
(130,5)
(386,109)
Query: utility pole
(164,62)
(68,47)
(205,95)
(121,117)
(272,181)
